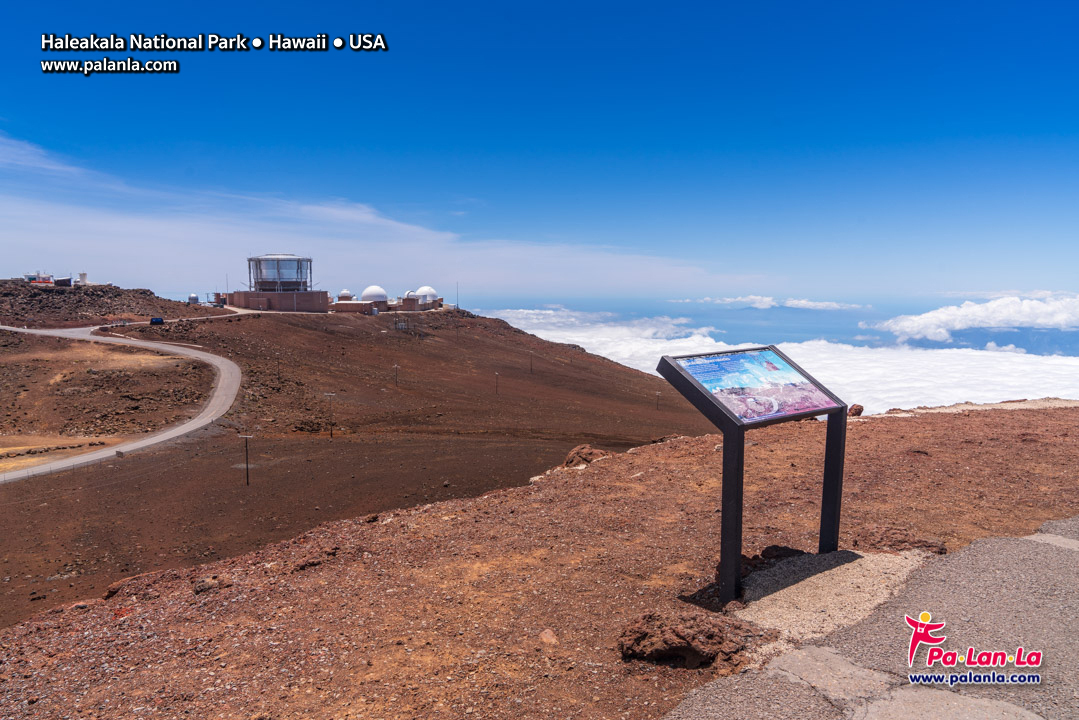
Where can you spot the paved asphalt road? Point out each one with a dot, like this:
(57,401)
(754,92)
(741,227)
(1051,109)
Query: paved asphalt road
(996,594)
(226,385)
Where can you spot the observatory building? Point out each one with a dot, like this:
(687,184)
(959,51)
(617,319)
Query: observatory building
(423,299)
(374,300)
(280,281)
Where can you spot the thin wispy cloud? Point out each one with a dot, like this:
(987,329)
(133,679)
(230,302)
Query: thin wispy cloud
(760,302)
(766,302)
(820,305)
(28,157)
(57,217)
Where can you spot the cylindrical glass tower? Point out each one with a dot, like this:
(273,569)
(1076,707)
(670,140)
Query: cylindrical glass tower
(279,272)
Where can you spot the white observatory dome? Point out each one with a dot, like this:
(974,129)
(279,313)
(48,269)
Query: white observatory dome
(374,293)
(344,295)
(427,294)
(411,294)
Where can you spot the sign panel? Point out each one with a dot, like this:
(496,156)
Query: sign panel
(757,385)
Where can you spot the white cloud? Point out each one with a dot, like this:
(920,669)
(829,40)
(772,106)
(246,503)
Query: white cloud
(1061,313)
(819,305)
(1010,347)
(877,378)
(760,302)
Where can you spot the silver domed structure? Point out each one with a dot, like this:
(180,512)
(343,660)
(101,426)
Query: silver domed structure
(374,293)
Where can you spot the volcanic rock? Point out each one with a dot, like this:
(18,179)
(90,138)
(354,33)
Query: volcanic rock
(583,454)
(688,639)
(897,539)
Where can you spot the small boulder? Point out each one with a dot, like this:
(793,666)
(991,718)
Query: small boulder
(583,454)
(688,639)
(855,410)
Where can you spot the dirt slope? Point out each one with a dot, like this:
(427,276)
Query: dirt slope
(443,610)
(444,380)
(440,431)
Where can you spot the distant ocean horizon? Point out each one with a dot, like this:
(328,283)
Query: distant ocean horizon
(849,325)
(843,346)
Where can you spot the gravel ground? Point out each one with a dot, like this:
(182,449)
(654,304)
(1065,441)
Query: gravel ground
(1068,528)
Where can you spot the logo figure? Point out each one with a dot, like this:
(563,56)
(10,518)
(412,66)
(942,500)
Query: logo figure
(923,633)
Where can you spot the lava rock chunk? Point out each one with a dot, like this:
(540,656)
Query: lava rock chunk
(583,454)
(689,639)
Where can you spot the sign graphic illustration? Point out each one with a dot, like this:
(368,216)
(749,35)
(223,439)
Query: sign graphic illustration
(757,385)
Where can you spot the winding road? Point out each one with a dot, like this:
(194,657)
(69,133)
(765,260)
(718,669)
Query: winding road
(226,385)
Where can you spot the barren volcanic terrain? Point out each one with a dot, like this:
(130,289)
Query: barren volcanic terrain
(40,306)
(511,605)
(437,430)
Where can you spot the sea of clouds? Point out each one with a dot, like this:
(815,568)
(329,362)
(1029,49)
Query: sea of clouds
(878,378)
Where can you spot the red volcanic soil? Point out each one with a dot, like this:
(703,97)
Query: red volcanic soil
(509,605)
(438,431)
(451,372)
(40,306)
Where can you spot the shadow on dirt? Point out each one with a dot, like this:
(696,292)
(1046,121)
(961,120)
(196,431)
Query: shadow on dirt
(758,584)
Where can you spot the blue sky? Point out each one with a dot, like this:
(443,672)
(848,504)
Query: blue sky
(850,152)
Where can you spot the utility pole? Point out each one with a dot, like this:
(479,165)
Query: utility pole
(331,396)
(247,464)
(395,368)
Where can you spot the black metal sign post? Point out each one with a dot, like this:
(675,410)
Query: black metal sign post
(730,403)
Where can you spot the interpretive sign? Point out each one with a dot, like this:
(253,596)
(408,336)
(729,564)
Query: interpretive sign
(757,385)
(742,389)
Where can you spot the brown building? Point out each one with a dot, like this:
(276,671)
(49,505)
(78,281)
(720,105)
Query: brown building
(355,306)
(299,301)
